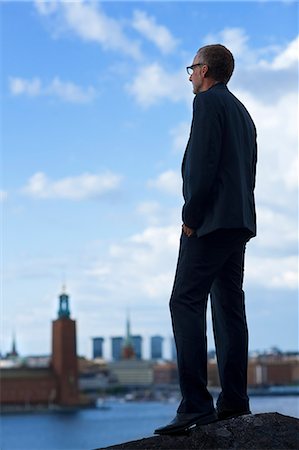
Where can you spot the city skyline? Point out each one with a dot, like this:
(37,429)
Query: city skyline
(116,343)
(96,110)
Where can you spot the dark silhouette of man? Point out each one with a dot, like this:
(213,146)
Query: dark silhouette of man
(218,171)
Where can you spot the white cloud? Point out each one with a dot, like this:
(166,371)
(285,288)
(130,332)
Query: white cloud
(233,38)
(276,122)
(256,68)
(142,266)
(271,272)
(90,23)
(20,86)
(70,92)
(46,7)
(151,210)
(169,182)
(288,57)
(271,57)
(152,84)
(158,34)
(3,195)
(278,232)
(72,188)
(180,136)
(64,90)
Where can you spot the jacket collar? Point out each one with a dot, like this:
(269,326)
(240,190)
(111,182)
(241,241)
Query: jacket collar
(219,85)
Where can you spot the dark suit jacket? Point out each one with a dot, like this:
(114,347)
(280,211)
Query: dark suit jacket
(219,164)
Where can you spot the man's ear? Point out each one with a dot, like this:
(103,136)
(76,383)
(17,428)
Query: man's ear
(205,71)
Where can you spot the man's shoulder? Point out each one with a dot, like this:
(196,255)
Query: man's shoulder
(213,97)
(219,94)
(220,100)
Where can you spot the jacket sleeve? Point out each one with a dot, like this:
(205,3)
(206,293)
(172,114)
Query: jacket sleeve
(202,158)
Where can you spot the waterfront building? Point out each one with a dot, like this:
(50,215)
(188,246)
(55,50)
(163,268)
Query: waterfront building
(93,376)
(156,347)
(273,370)
(35,361)
(55,384)
(132,373)
(97,347)
(166,373)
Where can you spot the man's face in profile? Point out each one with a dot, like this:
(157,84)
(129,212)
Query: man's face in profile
(197,76)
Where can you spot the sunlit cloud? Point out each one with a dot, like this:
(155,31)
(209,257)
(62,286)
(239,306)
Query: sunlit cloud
(64,90)
(272,57)
(3,195)
(180,136)
(153,84)
(273,272)
(169,182)
(287,58)
(78,187)
(236,39)
(151,211)
(141,266)
(87,21)
(158,34)
(20,86)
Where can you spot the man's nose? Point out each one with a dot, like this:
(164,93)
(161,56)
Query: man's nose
(190,78)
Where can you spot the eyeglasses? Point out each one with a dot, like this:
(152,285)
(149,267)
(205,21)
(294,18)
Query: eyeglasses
(190,69)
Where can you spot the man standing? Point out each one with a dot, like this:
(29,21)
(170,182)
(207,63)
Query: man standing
(218,219)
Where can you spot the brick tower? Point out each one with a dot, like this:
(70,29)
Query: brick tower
(64,354)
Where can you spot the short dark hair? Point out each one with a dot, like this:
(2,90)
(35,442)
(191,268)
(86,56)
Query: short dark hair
(219,60)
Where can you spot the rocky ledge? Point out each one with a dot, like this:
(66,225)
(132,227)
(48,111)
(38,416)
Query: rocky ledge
(257,431)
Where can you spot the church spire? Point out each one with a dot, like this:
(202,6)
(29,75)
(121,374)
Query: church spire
(13,353)
(63,304)
(128,348)
(14,346)
(128,335)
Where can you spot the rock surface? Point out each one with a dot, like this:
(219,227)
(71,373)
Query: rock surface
(256,431)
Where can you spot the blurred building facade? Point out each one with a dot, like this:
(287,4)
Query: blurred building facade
(156,347)
(137,346)
(55,384)
(117,343)
(97,347)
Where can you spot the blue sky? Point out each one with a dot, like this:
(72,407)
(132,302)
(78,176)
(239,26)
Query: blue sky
(96,110)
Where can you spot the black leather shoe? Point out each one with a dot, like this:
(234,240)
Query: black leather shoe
(184,421)
(229,414)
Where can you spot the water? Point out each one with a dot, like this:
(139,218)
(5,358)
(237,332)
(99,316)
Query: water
(90,429)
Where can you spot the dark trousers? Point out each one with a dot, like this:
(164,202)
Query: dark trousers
(212,264)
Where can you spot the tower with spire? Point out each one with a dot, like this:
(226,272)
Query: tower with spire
(128,348)
(63,304)
(14,346)
(64,353)
(13,354)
